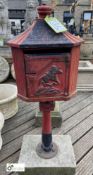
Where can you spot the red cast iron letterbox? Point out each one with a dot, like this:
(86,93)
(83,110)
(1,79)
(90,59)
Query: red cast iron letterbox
(46,66)
(46,63)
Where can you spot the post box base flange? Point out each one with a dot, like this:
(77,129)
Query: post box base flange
(62,163)
(47,155)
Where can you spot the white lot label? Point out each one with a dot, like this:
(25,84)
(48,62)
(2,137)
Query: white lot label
(15,167)
(55,24)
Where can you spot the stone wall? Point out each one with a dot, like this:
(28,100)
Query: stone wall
(61,7)
(87,47)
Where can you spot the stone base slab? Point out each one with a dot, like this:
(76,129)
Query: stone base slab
(62,164)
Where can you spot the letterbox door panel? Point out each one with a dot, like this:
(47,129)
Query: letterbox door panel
(46,77)
(33,66)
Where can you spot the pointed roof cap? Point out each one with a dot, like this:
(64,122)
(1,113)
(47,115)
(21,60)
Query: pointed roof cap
(40,35)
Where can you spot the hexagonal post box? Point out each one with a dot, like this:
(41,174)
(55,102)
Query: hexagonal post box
(46,67)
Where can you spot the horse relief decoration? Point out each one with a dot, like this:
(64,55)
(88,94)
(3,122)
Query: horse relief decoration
(49,81)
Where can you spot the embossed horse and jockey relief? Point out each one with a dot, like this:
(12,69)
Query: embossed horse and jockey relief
(50,78)
(49,81)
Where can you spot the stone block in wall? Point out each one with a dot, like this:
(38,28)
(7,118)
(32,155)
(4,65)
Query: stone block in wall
(87,50)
